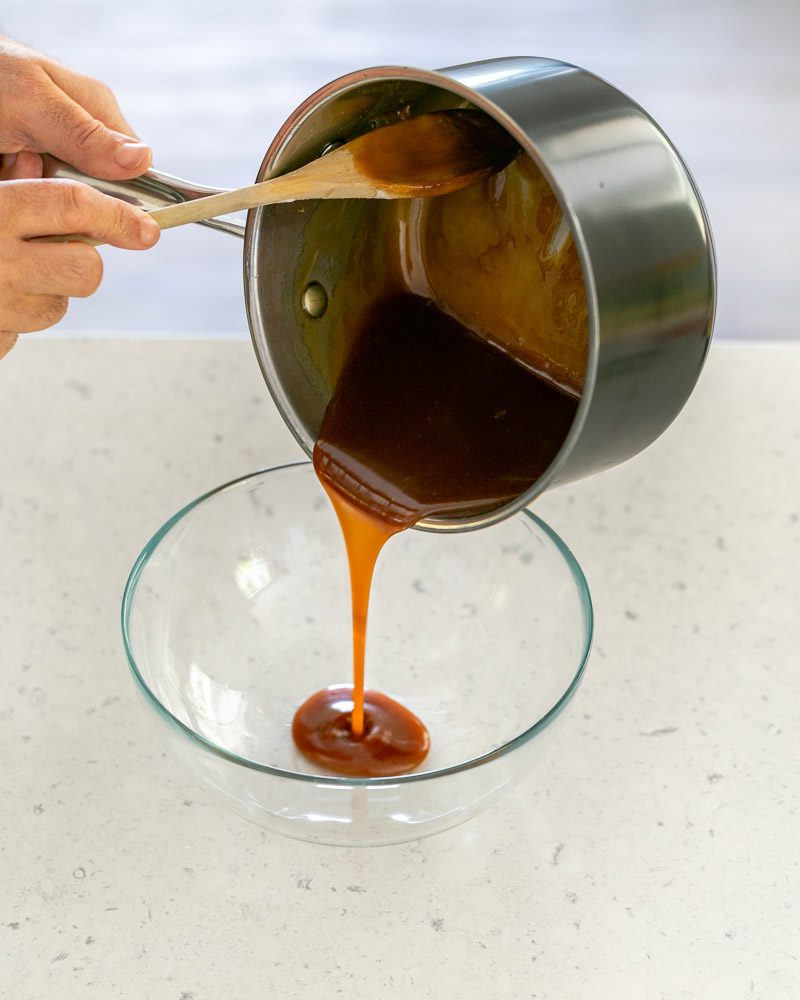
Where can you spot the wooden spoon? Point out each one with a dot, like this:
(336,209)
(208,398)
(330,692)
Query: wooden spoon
(426,155)
(430,154)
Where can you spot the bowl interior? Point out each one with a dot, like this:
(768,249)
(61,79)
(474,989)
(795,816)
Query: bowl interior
(238,609)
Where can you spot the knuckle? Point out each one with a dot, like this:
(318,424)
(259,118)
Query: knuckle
(53,309)
(62,118)
(85,131)
(74,204)
(81,209)
(125,222)
(83,270)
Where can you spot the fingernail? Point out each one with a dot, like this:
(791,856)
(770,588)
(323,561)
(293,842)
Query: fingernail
(130,154)
(149,231)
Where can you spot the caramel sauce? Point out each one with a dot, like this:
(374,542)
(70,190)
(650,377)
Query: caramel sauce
(455,350)
(426,418)
(393,740)
(433,153)
(500,258)
(365,532)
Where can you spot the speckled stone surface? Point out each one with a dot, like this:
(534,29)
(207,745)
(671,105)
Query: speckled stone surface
(659,860)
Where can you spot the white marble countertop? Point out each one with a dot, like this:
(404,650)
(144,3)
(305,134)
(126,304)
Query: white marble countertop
(656,856)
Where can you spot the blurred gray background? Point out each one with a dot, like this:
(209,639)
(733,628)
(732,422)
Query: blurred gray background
(208,85)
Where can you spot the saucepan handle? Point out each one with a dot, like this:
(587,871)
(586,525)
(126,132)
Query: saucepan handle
(151,190)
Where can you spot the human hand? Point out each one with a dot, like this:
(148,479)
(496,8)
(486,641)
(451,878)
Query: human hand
(37,278)
(47,108)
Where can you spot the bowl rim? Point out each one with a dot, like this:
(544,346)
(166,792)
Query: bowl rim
(341,780)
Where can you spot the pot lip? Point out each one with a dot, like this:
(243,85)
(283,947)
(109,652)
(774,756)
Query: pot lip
(441,79)
(196,739)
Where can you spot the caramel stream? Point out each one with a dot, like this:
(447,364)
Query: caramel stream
(364,537)
(426,418)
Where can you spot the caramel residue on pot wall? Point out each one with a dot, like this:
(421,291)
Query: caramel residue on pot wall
(499,257)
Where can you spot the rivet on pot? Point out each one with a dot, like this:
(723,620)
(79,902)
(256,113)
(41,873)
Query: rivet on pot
(314,300)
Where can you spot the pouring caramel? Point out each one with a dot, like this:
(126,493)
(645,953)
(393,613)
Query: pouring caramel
(454,398)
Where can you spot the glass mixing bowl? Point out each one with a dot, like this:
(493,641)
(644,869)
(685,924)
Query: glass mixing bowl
(238,609)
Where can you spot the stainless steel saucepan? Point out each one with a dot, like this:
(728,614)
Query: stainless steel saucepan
(637,221)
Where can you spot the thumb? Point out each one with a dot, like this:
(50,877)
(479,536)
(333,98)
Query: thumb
(67,130)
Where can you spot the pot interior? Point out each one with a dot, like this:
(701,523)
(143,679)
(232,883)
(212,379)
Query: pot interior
(499,257)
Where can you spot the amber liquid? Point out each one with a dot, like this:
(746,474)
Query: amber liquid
(426,418)
(439,151)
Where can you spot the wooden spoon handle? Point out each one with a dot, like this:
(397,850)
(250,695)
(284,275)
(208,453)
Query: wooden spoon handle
(332,176)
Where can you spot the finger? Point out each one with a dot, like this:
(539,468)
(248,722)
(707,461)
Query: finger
(52,207)
(21,166)
(64,269)
(7,341)
(59,125)
(28,313)
(95,97)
